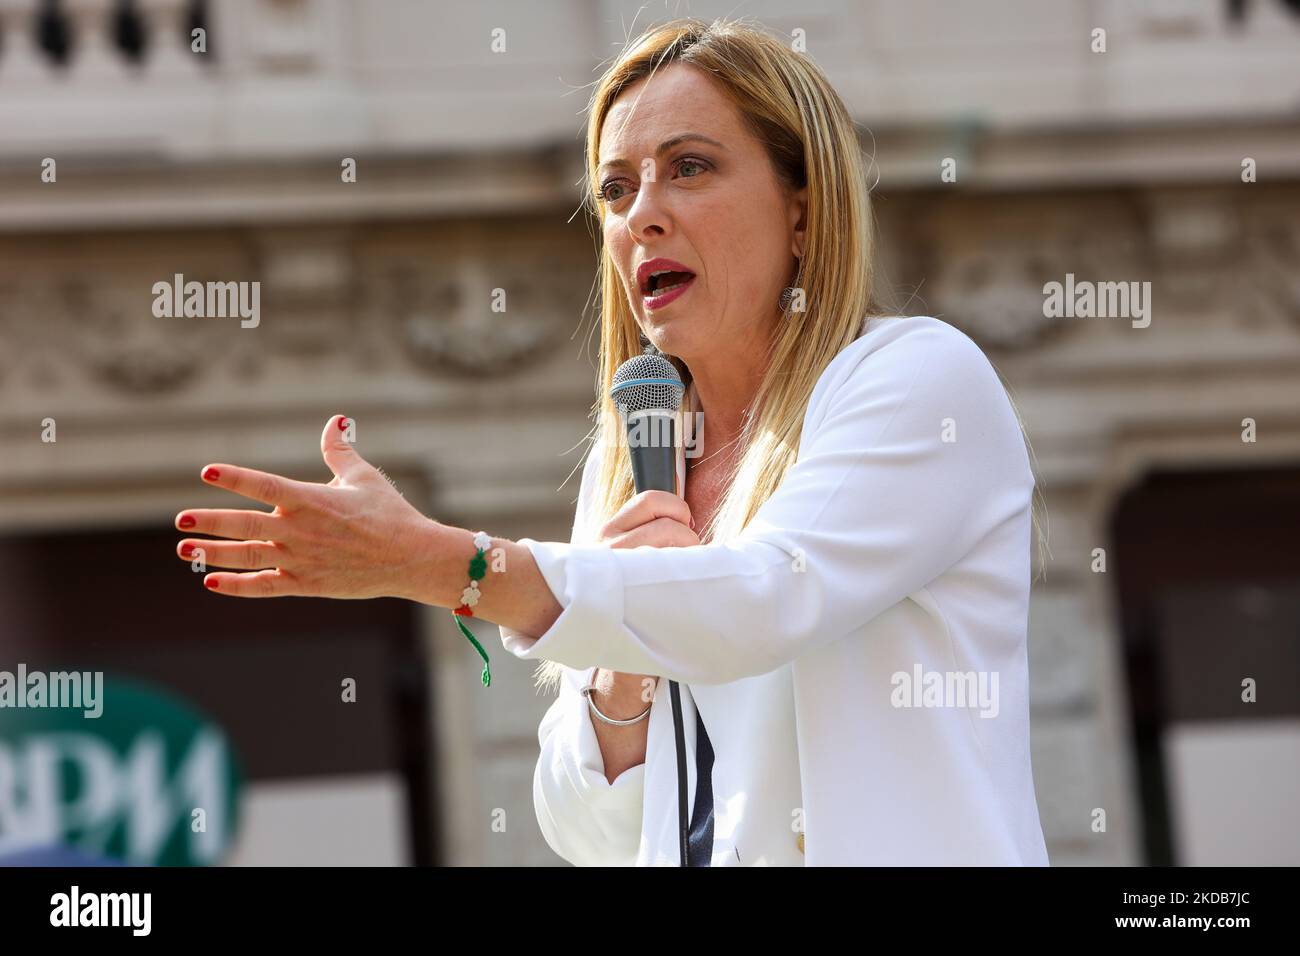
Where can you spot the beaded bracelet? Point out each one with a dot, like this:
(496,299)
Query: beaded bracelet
(469,598)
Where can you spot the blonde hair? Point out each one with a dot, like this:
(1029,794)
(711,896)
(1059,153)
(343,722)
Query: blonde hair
(812,141)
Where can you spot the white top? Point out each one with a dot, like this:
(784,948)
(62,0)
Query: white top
(857,653)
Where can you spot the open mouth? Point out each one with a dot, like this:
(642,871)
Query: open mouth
(667,291)
(661,280)
(660,283)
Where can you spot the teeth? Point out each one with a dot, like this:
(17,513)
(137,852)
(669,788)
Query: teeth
(662,272)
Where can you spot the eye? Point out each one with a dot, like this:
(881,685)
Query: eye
(604,194)
(698,164)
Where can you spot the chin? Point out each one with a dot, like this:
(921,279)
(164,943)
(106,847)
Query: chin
(679,334)
(662,338)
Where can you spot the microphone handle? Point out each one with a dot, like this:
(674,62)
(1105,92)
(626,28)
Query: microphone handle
(653,451)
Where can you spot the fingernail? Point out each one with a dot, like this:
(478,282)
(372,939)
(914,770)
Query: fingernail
(211,474)
(212,583)
(343,423)
(187,549)
(187,521)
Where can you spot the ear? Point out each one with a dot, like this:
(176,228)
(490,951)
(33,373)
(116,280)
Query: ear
(798,222)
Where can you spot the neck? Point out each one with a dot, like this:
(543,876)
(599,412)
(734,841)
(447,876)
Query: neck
(724,392)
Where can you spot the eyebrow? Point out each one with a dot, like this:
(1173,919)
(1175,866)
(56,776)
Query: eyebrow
(667,145)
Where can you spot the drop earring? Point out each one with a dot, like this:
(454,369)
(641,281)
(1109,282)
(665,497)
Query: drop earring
(788,293)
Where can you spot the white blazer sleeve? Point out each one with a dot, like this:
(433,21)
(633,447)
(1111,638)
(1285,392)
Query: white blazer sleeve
(584,818)
(911,453)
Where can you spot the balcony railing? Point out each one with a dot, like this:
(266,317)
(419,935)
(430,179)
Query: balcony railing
(329,79)
(44,39)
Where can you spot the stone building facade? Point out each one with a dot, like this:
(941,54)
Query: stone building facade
(1123,165)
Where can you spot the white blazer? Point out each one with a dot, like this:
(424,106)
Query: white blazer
(857,653)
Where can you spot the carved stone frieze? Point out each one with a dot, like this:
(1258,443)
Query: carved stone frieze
(475,317)
(474,314)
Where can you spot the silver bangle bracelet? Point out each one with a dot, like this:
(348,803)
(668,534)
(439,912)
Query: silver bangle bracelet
(586,692)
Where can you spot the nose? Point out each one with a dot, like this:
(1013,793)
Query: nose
(648,216)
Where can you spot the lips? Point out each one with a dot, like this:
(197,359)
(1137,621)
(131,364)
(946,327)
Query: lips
(656,275)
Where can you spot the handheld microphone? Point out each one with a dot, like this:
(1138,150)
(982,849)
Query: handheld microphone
(648,392)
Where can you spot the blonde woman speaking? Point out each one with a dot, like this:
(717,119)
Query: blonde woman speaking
(841,591)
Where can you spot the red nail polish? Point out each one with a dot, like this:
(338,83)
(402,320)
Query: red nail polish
(343,423)
(187,521)
(211,474)
(212,583)
(187,549)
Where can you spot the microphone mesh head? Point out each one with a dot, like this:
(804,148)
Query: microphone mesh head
(647,381)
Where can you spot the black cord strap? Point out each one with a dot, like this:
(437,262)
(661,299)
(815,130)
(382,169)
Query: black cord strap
(695,840)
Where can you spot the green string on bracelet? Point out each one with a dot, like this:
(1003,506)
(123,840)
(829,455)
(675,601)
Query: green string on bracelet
(469,598)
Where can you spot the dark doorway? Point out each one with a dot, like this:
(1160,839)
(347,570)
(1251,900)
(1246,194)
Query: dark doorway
(269,672)
(1207,574)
